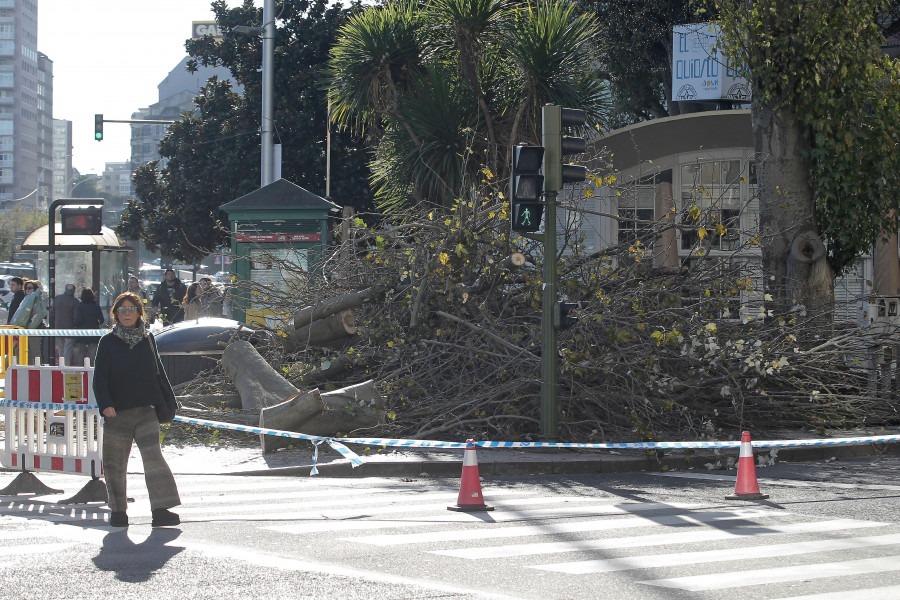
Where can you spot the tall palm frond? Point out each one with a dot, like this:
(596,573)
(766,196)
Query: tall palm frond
(444,119)
(377,52)
(552,46)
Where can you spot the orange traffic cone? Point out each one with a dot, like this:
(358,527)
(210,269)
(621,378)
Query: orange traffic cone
(746,487)
(470,498)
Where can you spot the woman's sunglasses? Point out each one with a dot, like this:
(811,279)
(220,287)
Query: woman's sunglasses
(126,309)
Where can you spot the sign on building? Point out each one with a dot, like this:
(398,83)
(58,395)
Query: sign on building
(700,71)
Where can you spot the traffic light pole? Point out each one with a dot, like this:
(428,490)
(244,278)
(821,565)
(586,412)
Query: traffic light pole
(549,359)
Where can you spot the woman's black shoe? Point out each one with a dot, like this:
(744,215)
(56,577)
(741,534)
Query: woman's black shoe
(163,517)
(118,519)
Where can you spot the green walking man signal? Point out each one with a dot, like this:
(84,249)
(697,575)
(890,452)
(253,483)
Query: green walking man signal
(526,188)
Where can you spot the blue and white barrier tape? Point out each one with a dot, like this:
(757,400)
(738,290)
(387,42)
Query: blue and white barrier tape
(337,444)
(45,405)
(54,332)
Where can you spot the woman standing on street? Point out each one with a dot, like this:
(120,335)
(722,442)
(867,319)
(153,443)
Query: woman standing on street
(127,386)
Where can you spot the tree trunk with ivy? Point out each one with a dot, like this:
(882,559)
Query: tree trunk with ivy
(795,263)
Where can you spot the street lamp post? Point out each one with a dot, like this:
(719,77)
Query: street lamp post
(266,130)
(268,59)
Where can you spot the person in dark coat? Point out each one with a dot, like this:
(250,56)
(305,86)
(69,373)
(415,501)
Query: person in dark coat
(88,315)
(64,307)
(168,298)
(127,379)
(15,286)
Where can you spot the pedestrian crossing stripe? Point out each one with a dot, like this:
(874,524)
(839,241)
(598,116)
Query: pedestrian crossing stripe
(881,593)
(551,529)
(688,537)
(659,561)
(808,572)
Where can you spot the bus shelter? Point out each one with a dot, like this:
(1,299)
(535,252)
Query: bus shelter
(95,261)
(278,233)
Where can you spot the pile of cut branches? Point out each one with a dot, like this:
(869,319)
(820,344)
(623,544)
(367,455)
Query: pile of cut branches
(449,328)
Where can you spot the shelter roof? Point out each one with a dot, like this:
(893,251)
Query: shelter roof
(107,239)
(280,195)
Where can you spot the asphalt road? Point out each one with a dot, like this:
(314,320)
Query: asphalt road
(829,531)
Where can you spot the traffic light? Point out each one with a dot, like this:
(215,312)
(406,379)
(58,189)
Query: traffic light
(555,118)
(81,220)
(98,128)
(564,312)
(526,188)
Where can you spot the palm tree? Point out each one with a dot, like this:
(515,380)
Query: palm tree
(442,89)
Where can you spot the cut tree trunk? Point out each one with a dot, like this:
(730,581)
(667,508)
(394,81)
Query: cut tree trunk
(290,415)
(356,407)
(213,400)
(322,332)
(340,412)
(256,381)
(336,304)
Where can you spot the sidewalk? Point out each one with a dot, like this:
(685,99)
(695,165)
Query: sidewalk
(448,463)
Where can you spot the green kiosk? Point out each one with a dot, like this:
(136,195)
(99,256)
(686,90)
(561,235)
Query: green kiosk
(278,232)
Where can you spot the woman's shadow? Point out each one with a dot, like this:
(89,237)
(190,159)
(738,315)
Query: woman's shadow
(136,562)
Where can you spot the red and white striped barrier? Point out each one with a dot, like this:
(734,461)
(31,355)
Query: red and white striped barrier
(52,420)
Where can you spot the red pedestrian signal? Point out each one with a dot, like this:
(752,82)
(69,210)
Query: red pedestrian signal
(81,220)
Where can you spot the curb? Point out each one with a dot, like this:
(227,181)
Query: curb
(563,464)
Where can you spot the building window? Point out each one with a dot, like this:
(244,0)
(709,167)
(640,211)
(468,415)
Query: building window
(711,203)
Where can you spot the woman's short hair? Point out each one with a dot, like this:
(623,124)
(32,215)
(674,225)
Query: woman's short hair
(33,282)
(87,295)
(133,298)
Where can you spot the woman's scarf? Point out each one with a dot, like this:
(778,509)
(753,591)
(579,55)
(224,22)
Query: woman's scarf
(130,335)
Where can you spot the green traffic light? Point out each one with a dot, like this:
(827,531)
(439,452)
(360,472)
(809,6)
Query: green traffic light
(98,135)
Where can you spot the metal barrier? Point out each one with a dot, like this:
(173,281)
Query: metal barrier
(52,423)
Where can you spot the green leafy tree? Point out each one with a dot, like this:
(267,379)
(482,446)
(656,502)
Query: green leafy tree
(826,105)
(17,219)
(442,89)
(636,55)
(211,157)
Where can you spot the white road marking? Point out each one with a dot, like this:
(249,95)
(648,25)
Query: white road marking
(554,528)
(687,537)
(659,561)
(882,593)
(718,581)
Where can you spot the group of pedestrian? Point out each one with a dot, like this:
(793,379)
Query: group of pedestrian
(71,313)
(176,301)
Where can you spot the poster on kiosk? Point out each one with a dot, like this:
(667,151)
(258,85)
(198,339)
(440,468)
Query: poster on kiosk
(700,70)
